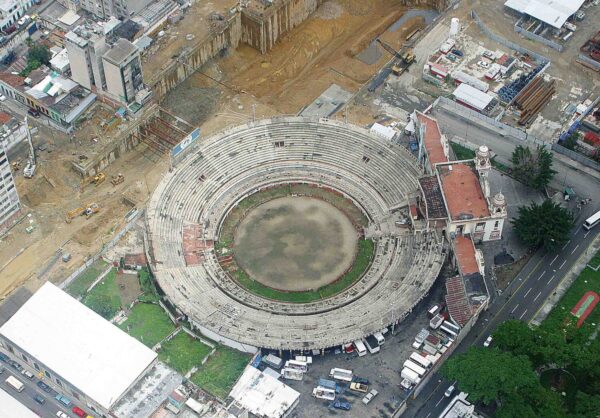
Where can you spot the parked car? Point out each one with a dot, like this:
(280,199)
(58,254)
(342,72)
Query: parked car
(360,380)
(61,414)
(458,53)
(44,387)
(2,97)
(39,399)
(1,369)
(63,399)
(489,55)
(33,113)
(369,396)
(79,412)
(483,64)
(16,365)
(342,405)
(488,341)
(449,391)
(359,387)
(27,374)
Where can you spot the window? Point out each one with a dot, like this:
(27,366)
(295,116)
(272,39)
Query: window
(37,367)
(24,358)
(48,375)
(480,227)
(58,382)
(496,224)
(365,159)
(75,394)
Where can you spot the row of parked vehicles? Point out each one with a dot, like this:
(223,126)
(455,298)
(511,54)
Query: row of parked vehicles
(340,379)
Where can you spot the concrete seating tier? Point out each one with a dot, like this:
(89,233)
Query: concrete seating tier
(376,174)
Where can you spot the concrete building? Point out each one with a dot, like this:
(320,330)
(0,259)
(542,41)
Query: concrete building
(123,71)
(117,8)
(75,351)
(551,12)
(10,407)
(9,199)
(85,47)
(12,10)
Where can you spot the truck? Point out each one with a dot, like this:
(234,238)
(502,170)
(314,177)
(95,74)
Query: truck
(15,383)
(360,348)
(298,365)
(323,393)
(420,360)
(436,321)
(329,384)
(273,361)
(380,338)
(372,344)
(341,374)
(415,367)
(305,359)
(421,336)
(411,376)
(292,374)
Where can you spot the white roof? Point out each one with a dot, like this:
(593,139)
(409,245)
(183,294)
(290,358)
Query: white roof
(263,395)
(382,131)
(471,96)
(10,407)
(552,12)
(78,344)
(69,18)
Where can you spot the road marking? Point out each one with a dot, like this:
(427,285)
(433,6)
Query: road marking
(521,317)
(563,263)
(578,229)
(554,259)
(427,416)
(527,292)
(575,248)
(541,275)
(438,402)
(515,308)
(551,278)
(565,246)
(538,295)
(586,234)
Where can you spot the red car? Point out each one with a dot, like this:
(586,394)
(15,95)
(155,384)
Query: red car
(79,412)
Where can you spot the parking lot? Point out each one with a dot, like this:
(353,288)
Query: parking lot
(381,369)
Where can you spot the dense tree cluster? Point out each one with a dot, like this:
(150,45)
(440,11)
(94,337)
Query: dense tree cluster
(534,168)
(544,226)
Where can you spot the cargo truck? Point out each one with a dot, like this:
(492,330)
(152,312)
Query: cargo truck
(420,360)
(341,374)
(372,344)
(15,383)
(323,393)
(273,361)
(415,367)
(409,375)
(292,374)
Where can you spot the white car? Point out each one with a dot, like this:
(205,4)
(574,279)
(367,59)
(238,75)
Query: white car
(61,414)
(369,396)
(483,64)
(2,97)
(449,391)
(488,341)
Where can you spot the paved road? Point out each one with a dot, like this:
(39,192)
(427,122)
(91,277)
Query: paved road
(521,300)
(584,184)
(48,409)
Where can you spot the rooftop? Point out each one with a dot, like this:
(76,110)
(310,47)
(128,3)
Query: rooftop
(10,407)
(472,96)
(463,193)
(464,250)
(78,344)
(120,51)
(553,12)
(433,197)
(459,307)
(433,140)
(263,395)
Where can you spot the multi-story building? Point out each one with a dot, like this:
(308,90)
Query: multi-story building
(85,47)
(117,8)
(123,71)
(12,10)
(9,199)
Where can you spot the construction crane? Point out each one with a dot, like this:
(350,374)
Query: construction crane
(404,59)
(29,169)
(88,211)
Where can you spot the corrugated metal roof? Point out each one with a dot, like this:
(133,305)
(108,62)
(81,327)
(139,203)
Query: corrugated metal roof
(553,12)
(472,96)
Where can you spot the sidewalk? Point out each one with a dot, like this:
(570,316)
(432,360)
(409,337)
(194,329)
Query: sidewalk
(566,282)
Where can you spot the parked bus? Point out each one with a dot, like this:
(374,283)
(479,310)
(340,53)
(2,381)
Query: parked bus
(298,365)
(15,383)
(592,221)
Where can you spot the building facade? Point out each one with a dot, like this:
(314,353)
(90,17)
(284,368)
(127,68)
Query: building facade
(85,48)
(117,8)
(9,199)
(11,11)
(123,71)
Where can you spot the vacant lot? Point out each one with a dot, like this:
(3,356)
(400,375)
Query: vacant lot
(218,375)
(80,285)
(183,352)
(148,323)
(104,298)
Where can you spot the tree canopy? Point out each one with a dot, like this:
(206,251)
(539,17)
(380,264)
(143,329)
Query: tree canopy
(544,226)
(37,56)
(534,168)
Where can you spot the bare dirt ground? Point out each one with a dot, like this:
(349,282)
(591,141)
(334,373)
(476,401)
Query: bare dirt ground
(129,288)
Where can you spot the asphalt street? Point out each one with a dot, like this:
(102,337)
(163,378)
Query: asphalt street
(521,300)
(26,397)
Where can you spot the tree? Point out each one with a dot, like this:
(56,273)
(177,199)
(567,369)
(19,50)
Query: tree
(39,53)
(587,406)
(544,226)
(533,168)
(490,374)
(570,141)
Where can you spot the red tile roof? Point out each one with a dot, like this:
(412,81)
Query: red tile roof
(457,301)
(4,118)
(464,250)
(12,80)
(463,193)
(433,140)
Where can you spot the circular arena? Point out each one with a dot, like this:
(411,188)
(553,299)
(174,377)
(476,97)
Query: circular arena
(284,242)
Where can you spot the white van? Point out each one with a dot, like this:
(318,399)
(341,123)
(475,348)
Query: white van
(15,383)
(380,338)
(360,348)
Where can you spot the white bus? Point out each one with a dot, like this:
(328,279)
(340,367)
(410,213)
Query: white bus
(15,383)
(592,221)
(298,365)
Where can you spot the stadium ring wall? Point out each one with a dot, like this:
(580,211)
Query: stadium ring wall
(189,204)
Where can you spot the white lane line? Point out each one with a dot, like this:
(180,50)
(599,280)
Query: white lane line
(428,415)
(551,278)
(522,315)
(541,275)
(578,229)
(563,263)
(554,259)
(565,246)
(575,248)
(538,295)
(527,292)
(586,234)
(515,308)
(438,402)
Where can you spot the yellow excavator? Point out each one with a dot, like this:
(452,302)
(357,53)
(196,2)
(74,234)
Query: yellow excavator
(88,211)
(97,180)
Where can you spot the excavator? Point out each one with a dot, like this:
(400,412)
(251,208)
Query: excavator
(118,179)
(404,59)
(88,211)
(97,180)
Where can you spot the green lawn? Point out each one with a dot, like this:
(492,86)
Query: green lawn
(595,261)
(363,259)
(147,285)
(183,352)
(148,323)
(79,286)
(461,152)
(221,371)
(561,316)
(104,298)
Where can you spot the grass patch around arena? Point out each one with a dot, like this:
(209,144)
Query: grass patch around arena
(104,298)
(218,375)
(148,323)
(78,287)
(461,152)
(183,352)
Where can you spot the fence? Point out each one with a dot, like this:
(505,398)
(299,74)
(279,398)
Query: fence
(584,59)
(588,162)
(537,38)
(539,58)
(105,247)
